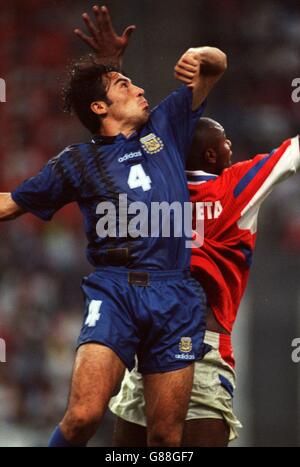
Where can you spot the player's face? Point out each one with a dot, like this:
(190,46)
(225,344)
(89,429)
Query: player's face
(224,151)
(129,105)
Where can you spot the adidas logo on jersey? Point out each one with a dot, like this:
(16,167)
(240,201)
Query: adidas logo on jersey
(185,356)
(130,155)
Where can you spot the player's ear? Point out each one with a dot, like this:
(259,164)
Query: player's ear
(210,156)
(99,107)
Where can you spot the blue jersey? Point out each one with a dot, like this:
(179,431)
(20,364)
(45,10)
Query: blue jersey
(147,167)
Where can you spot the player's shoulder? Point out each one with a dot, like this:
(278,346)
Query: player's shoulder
(181,93)
(238,166)
(261,158)
(242,166)
(69,153)
(70,163)
(77,148)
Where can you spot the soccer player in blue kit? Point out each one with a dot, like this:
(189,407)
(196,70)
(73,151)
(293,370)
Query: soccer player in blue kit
(141,299)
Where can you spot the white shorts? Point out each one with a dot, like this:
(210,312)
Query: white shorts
(212,392)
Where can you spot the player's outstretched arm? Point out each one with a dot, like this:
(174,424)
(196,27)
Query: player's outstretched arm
(200,68)
(9,210)
(108,47)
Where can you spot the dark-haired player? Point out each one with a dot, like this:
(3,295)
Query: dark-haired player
(140,299)
(227,199)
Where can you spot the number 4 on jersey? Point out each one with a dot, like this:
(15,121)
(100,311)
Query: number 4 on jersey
(94,313)
(138,178)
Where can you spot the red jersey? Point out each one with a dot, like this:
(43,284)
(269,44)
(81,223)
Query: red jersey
(228,207)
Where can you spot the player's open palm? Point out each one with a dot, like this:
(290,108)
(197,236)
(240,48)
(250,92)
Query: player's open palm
(103,39)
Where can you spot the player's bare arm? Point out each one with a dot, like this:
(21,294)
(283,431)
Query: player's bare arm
(9,210)
(103,40)
(200,68)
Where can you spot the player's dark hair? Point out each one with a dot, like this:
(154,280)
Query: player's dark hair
(86,83)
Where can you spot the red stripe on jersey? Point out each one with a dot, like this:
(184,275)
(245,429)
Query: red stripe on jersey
(225,349)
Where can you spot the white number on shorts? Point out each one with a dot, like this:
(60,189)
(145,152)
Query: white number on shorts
(138,178)
(94,313)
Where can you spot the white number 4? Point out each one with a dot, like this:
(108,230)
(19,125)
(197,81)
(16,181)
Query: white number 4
(138,178)
(94,313)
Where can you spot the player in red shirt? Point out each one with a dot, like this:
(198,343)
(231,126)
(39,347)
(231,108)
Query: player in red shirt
(227,199)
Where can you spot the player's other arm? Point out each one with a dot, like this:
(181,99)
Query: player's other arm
(200,68)
(106,45)
(9,210)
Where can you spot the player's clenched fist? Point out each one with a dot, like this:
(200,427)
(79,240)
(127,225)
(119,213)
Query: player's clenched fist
(187,68)
(200,61)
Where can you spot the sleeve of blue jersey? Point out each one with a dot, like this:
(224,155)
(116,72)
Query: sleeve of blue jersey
(43,194)
(176,113)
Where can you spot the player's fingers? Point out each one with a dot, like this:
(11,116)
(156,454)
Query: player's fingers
(181,68)
(88,40)
(190,59)
(90,25)
(186,75)
(98,16)
(182,78)
(189,66)
(128,32)
(190,62)
(185,71)
(106,23)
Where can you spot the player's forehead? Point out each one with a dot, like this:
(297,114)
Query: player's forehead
(220,129)
(114,77)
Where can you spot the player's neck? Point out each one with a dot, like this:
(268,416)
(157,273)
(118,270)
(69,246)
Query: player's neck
(210,168)
(205,168)
(111,127)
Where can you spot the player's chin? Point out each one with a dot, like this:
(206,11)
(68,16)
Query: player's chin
(145,108)
(145,116)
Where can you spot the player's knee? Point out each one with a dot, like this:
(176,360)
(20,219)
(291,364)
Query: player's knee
(80,423)
(164,435)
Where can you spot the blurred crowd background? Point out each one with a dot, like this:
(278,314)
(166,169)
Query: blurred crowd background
(41,264)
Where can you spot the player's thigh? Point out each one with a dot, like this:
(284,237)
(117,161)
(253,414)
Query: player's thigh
(129,434)
(108,318)
(206,432)
(97,372)
(167,395)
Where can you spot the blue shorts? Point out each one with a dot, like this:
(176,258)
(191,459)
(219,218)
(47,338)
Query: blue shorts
(159,316)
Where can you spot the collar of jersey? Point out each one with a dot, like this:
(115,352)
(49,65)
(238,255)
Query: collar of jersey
(99,139)
(199,176)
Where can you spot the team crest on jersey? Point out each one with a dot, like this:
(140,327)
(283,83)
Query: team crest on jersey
(185,344)
(152,144)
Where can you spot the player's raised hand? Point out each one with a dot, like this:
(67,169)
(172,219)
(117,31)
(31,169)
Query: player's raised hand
(200,68)
(187,68)
(103,40)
